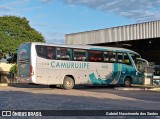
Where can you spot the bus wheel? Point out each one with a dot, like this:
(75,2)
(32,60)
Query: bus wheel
(127,82)
(52,86)
(68,83)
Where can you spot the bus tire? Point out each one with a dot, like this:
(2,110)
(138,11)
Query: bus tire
(127,82)
(52,86)
(68,83)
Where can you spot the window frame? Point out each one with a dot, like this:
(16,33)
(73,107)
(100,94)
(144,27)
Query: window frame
(122,57)
(45,52)
(131,64)
(70,53)
(115,56)
(97,58)
(73,52)
(134,60)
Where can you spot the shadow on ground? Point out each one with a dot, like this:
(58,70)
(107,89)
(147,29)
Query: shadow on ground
(78,87)
(19,100)
(142,95)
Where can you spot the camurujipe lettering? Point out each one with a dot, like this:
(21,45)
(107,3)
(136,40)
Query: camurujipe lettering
(72,65)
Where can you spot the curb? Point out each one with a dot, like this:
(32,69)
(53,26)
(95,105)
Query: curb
(155,89)
(130,88)
(3,84)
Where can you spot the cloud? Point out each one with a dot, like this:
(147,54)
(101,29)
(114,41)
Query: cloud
(45,1)
(56,34)
(18,3)
(4,8)
(50,26)
(54,37)
(30,8)
(13,8)
(56,41)
(139,10)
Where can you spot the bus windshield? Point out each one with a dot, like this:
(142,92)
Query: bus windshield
(141,64)
(134,57)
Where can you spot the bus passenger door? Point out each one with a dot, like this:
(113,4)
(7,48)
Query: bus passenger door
(128,69)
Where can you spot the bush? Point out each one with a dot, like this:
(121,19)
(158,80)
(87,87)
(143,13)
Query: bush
(14,69)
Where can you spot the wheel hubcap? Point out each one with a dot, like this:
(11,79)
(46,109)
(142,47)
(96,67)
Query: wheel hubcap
(68,83)
(127,83)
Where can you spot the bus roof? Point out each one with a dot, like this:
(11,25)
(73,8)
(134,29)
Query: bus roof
(90,47)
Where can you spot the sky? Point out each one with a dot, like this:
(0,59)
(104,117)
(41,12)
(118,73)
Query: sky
(55,18)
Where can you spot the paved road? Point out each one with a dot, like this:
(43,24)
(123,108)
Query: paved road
(35,97)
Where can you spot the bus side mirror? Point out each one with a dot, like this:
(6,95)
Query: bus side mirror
(126,61)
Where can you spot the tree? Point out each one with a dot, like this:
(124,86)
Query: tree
(14,69)
(14,31)
(1,54)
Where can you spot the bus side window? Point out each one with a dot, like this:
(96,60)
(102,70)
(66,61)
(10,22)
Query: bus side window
(63,54)
(79,55)
(110,57)
(119,57)
(106,57)
(40,51)
(127,60)
(95,56)
(47,52)
(51,52)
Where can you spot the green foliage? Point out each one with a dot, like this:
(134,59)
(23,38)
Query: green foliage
(14,31)
(14,69)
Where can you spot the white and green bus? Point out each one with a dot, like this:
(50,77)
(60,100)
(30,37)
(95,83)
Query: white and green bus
(70,65)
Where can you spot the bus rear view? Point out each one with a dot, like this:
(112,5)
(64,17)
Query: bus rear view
(25,68)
